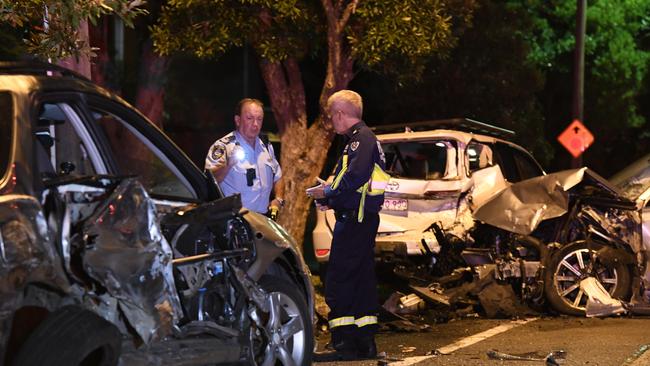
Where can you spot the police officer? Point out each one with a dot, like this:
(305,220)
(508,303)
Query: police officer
(356,195)
(242,163)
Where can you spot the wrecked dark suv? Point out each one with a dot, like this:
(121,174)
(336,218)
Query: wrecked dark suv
(113,244)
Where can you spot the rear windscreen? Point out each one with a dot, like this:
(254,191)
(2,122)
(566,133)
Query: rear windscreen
(6,131)
(428,160)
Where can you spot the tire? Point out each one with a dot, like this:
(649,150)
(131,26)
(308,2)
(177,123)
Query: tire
(71,336)
(294,323)
(562,285)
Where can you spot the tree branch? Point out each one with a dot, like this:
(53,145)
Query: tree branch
(349,10)
(278,89)
(297,91)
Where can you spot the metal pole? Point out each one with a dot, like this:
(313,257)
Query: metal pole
(246,75)
(579,69)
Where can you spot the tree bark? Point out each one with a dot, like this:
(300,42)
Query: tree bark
(304,148)
(151,93)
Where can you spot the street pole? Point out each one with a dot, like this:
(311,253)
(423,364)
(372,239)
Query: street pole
(579,69)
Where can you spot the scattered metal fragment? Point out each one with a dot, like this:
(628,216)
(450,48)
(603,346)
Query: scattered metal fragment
(429,293)
(599,302)
(550,359)
(410,304)
(408,349)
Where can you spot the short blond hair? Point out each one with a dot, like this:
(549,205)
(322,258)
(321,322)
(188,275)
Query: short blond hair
(352,101)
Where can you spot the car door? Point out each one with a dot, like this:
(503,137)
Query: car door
(133,146)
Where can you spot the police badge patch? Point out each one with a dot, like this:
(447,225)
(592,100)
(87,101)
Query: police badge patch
(217,152)
(354,145)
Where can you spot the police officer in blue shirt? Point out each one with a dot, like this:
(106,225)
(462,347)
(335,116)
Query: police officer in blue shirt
(356,195)
(242,163)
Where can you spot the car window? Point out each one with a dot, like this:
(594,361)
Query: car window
(136,155)
(506,160)
(479,156)
(63,145)
(527,167)
(429,160)
(6,126)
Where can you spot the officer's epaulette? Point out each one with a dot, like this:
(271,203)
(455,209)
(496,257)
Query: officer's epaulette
(229,138)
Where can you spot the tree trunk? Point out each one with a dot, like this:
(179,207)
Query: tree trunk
(151,93)
(304,148)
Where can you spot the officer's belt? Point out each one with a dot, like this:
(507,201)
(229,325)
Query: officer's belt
(345,215)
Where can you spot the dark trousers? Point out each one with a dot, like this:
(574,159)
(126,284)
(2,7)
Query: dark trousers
(350,284)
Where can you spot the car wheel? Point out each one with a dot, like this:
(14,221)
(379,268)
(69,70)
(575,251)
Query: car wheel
(71,336)
(573,263)
(287,331)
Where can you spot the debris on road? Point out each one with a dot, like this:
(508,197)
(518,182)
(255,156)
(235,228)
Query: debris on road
(551,359)
(599,302)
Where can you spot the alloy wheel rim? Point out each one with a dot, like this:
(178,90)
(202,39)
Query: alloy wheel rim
(573,268)
(285,331)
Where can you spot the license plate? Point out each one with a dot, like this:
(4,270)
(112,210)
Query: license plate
(395,204)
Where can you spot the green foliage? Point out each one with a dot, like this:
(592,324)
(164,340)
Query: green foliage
(485,77)
(383,35)
(207,29)
(615,62)
(58,37)
(391,36)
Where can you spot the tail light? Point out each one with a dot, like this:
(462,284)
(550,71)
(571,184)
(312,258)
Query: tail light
(322,252)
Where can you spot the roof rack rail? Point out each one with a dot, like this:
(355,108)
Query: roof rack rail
(37,68)
(460,124)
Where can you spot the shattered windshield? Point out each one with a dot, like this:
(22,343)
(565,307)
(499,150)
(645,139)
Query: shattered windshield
(635,179)
(429,160)
(6,119)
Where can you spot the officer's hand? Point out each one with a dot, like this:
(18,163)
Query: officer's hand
(235,155)
(317,192)
(321,206)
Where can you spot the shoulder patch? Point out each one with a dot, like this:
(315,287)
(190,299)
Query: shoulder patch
(354,145)
(217,152)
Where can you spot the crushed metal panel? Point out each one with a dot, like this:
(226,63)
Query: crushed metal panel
(522,206)
(599,302)
(492,182)
(126,252)
(27,254)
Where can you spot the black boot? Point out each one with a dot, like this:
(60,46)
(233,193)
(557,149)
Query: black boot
(345,350)
(366,347)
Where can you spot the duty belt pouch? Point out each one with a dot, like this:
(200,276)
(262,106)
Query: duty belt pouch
(345,216)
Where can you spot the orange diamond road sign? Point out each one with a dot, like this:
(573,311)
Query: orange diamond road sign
(576,138)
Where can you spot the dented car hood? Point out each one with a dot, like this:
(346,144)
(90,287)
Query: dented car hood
(520,207)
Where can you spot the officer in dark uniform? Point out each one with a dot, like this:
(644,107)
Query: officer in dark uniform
(356,195)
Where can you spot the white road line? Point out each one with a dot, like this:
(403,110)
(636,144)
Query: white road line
(642,360)
(465,342)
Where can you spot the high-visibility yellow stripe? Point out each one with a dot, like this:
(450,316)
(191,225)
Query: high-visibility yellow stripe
(362,202)
(366,320)
(344,167)
(339,322)
(375,186)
